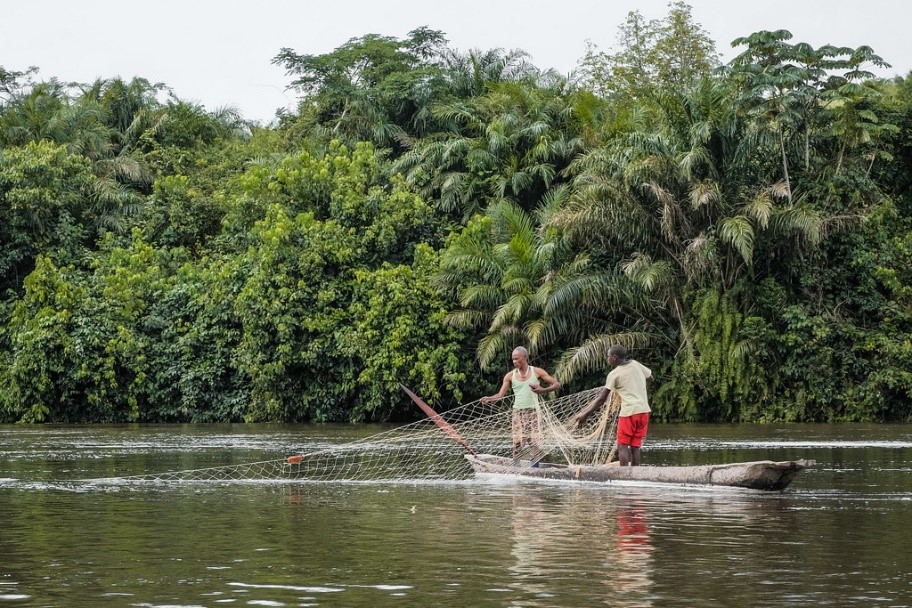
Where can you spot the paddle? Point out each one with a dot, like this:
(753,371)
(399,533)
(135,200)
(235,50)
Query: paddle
(440,422)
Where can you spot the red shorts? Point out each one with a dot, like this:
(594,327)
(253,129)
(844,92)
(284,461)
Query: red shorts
(632,429)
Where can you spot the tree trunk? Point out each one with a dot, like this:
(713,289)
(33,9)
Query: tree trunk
(785,168)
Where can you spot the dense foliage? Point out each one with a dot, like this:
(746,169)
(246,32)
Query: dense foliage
(744,229)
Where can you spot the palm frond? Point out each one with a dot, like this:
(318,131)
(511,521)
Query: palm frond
(592,355)
(801,220)
(648,274)
(467,319)
(738,232)
(760,208)
(705,193)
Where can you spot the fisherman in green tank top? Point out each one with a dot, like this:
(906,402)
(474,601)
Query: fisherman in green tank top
(526,383)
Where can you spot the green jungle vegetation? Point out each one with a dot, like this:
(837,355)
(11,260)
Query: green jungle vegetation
(744,229)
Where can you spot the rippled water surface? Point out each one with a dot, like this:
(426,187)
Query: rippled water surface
(839,536)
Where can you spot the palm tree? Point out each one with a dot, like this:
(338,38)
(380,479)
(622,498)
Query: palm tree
(511,143)
(501,267)
(47,112)
(474,73)
(27,115)
(670,213)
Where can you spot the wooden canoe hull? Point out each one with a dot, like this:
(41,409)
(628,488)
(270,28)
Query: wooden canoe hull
(759,475)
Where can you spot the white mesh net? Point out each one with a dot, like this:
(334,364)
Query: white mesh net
(430,449)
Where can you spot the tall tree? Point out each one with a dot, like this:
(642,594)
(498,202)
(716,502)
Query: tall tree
(782,86)
(372,88)
(652,54)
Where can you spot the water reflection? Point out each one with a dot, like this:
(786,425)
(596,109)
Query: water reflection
(553,531)
(529,549)
(641,546)
(839,536)
(634,556)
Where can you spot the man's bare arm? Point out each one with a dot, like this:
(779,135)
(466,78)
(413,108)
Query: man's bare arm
(500,394)
(593,406)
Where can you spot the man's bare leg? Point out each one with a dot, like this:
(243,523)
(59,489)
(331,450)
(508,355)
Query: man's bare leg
(535,453)
(624,455)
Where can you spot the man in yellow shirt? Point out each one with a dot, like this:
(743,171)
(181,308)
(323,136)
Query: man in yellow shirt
(628,379)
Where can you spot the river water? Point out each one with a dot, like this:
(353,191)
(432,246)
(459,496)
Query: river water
(840,535)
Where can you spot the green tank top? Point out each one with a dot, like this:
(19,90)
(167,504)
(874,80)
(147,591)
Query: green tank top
(524,397)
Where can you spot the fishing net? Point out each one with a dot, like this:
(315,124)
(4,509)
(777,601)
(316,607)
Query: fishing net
(432,448)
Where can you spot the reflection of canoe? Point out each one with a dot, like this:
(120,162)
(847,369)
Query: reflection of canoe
(758,475)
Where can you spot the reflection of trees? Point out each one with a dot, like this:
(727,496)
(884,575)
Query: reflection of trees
(532,529)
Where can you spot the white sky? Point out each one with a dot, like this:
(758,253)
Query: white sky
(219,53)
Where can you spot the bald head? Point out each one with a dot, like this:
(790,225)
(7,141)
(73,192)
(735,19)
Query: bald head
(520,358)
(617,355)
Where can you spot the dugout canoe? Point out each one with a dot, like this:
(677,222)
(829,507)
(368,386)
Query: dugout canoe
(765,475)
